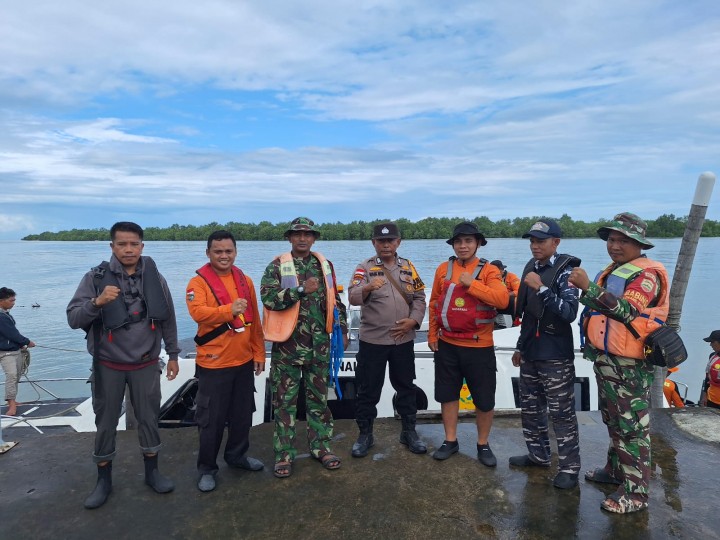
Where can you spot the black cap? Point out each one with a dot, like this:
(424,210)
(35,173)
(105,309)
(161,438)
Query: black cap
(544,228)
(499,264)
(714,336)
(385,230)
(467,227)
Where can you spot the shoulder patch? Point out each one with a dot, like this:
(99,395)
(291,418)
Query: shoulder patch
(647,285)
(190,295)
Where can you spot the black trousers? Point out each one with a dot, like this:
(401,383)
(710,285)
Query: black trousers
(370,375)
(224,396)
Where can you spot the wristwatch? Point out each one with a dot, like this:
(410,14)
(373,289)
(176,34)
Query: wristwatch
(301,290)
(93,301)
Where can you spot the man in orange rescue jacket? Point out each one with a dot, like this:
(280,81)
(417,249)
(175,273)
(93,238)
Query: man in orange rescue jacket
(230,347)
(465,295)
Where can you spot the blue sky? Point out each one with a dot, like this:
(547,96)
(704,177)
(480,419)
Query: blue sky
(184,112)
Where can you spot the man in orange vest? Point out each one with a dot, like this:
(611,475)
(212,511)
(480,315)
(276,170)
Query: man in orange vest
(230,348)
(511,281)
(671,391)
(710,395)
(299,296)
(625,302)
(465,295)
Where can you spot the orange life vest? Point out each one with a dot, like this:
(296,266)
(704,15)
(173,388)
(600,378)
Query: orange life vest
(278,326)
(611,336)
(458,313)
(714,372)
(223,297)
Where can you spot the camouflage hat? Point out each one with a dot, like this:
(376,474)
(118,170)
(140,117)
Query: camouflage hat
(630,225)
(302,224)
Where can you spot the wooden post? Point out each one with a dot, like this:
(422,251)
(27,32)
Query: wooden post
(683,267)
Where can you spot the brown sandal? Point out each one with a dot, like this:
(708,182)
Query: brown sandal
(330,461)
(282,469)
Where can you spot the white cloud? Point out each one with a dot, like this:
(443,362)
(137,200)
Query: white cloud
(355,109)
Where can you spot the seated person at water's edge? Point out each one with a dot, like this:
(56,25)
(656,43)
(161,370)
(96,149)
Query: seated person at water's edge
(710,395)
(300,298)
(12,344)
(230,348)
(126,309)
(466,293)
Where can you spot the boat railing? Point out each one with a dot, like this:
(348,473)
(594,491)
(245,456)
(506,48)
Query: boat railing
(35,383)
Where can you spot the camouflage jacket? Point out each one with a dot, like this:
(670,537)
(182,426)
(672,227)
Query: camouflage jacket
(309,342)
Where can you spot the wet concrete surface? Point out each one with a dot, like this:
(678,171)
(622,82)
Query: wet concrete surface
(389,494)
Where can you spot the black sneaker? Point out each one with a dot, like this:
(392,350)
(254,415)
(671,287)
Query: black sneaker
(447,449)
(525,461)
(565,480)
(486,456)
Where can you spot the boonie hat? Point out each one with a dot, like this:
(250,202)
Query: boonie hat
(499,264)
(385,230)
(302,224)
(630,225)
(467,227)
(714,336)
(544,228)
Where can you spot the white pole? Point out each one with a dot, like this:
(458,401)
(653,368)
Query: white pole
(685,259)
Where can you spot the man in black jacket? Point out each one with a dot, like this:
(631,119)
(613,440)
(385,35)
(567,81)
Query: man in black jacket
(545,355)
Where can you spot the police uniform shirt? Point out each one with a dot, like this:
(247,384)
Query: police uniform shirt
(386,305)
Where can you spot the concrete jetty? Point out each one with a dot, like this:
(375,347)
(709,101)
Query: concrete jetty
(390,494)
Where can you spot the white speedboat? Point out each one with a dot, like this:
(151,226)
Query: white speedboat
(178,396)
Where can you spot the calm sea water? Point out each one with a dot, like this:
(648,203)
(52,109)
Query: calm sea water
(47,273)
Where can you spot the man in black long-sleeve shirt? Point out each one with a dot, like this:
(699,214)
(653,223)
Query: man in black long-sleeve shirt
(545,355)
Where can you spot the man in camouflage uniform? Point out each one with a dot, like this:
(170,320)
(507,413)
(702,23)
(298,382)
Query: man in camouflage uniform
(632,289)
(305,355)
(392,297)
(545,354)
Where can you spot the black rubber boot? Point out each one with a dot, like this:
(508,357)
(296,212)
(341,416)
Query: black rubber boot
(153,478)
(102,489)
(409,436)
(365,440)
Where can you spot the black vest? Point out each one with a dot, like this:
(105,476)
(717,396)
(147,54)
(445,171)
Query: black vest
(116,314)
(537,322)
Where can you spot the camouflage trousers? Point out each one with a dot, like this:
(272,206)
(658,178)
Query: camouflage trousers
(285,380)
(623,398)
(549,386)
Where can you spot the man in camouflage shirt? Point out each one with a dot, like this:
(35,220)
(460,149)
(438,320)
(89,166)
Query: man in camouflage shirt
(298,282)
(624,303)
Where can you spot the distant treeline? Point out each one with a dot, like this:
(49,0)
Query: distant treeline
(665,226)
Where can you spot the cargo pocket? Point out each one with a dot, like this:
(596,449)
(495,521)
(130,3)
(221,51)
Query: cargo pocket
(202,411)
